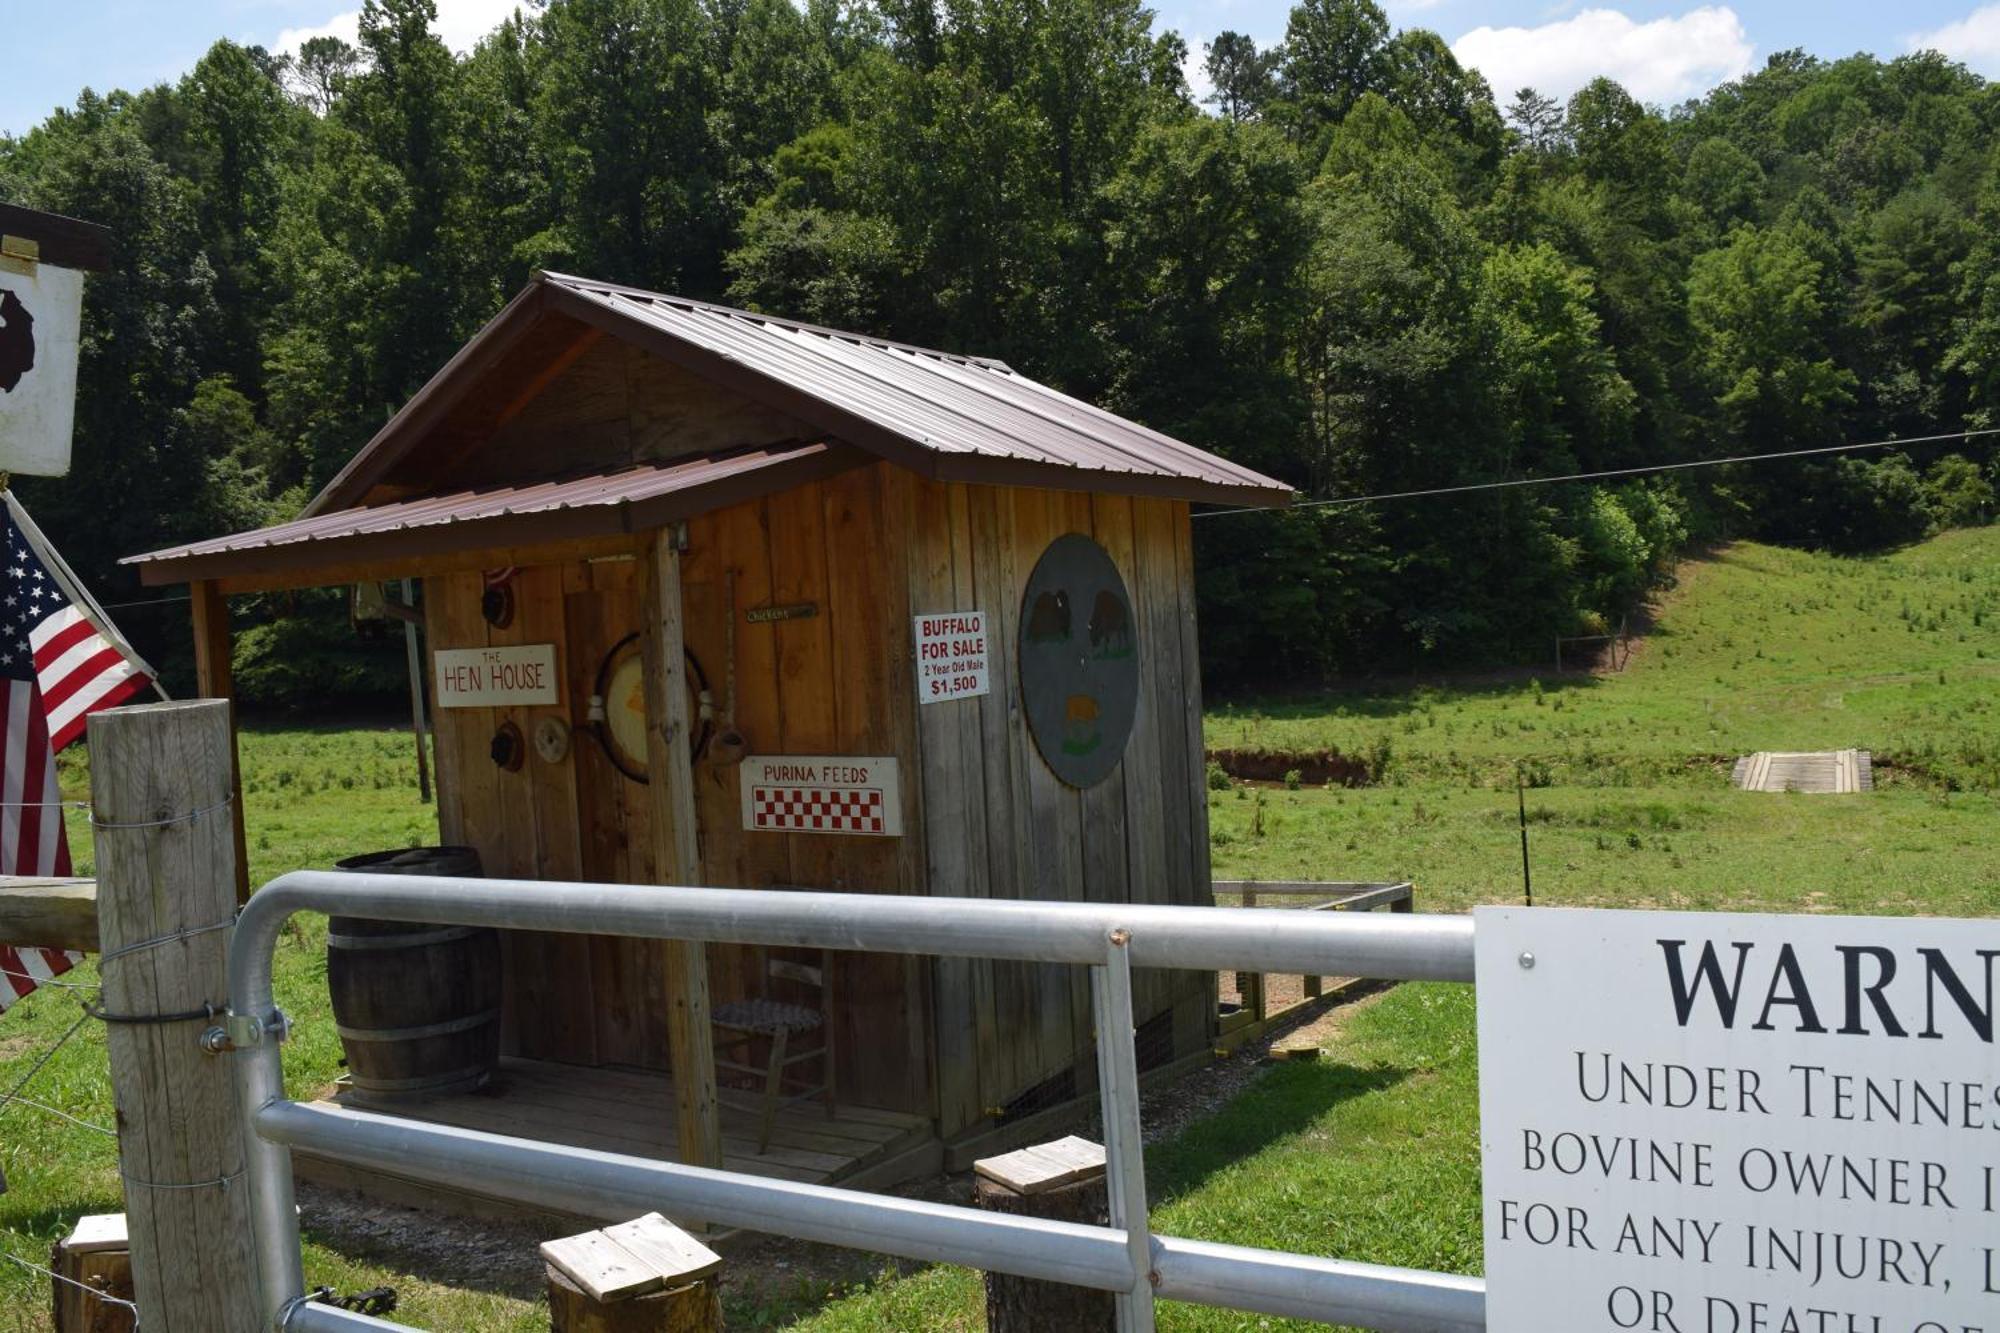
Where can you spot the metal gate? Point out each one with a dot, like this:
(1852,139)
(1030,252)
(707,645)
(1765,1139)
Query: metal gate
(1125,1258)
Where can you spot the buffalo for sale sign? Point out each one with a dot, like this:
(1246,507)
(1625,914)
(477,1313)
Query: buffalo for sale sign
(952,660)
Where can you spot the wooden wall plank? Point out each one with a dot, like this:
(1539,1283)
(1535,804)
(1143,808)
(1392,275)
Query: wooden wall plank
(1195,1010)
(560,1024)
(1053,863)
(936,520)
(444,751)
(871,993)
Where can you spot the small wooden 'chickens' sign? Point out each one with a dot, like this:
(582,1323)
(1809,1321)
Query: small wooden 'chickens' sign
(1079,660)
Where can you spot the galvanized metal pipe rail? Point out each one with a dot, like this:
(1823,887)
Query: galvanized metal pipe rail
(1110,939)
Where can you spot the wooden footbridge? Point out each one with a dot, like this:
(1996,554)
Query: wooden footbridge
(1827,772)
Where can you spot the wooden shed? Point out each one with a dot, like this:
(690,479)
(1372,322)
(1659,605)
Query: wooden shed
(716,598)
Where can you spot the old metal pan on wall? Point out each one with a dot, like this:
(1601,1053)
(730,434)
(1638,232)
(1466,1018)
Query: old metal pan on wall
(1079,655)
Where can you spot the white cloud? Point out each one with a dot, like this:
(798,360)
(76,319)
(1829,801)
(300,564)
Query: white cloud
(1664,61)
(1195,67)
(461,23)
(1974,39)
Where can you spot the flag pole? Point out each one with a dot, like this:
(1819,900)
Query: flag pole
(72,587)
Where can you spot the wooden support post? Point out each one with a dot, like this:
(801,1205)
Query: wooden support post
(215,680)
(93,1262)
(642,1276)
(1250,985)
(415,660)
(677,857)
(166,861)
(1062,1181)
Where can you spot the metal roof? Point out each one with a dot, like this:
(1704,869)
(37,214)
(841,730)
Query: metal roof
(945,416)
(630,500)
(967,418)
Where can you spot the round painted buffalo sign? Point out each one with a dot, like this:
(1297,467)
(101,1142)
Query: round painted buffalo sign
(1079,660)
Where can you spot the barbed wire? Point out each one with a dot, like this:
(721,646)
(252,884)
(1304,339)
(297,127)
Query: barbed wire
(14,1094)
(101,1295)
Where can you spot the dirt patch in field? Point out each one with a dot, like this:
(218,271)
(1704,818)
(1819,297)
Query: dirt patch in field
(1314,767)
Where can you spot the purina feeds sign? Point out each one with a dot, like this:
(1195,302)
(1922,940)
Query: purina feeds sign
(818,793)
(1721,1123)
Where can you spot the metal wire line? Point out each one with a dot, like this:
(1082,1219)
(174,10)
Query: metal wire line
(1341,501)
(13,1094)
(104,1296)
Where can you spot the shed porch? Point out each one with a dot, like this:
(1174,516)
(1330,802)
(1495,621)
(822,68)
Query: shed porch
(634,1112)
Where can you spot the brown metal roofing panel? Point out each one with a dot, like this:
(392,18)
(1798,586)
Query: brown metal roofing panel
(606,490)
(947,403)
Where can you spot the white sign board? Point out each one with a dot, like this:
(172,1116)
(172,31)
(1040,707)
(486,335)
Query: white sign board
(952,656)
(523,674)
(822,793)
(1721,1123)
(40,315)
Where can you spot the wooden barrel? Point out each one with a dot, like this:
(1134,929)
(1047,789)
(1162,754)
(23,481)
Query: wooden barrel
(417,1005)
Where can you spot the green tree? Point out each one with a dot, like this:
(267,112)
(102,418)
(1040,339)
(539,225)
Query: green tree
(1244,79)
(1333,54)
(1760,327)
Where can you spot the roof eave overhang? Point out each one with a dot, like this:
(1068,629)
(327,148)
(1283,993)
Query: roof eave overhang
(988,470)
(540,536)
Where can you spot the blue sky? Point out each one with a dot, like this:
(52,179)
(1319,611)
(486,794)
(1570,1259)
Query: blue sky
(1662,50)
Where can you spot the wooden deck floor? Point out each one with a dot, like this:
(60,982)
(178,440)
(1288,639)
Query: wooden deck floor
(631,1112)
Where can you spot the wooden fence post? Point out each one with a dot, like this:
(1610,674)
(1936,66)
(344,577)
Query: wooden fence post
(161,793)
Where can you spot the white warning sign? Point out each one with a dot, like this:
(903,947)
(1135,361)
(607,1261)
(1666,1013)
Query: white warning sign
(817,793)
(952,658)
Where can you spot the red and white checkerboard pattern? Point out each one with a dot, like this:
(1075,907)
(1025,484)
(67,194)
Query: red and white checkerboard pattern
(818,809)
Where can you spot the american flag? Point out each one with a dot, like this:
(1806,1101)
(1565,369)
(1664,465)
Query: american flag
(58,665)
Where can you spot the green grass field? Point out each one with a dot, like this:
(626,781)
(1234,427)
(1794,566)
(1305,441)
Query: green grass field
(1759,649)
(1372,1152)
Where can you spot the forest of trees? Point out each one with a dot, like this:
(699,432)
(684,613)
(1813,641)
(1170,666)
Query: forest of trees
(1353,267)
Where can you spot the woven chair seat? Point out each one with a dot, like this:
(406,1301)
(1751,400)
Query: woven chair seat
(768,1016)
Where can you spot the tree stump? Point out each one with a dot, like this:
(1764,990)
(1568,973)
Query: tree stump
(643,1276)
(95,1255)
(1064,1182)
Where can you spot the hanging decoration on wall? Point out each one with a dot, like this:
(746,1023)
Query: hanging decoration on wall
(551,738)
(1079,656)
(496,600)
(617,714)
(507,747)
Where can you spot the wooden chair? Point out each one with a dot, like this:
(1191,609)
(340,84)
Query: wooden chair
(742,1023)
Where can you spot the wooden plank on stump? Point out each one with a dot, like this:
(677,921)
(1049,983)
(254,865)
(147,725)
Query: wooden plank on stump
(660,1245)
(93,1263)
(1042,1167)
(1026,1305)
(166,865)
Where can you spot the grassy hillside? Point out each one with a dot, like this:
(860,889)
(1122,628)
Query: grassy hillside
(1760,648)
